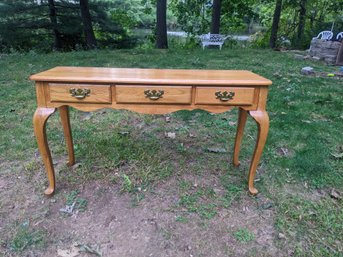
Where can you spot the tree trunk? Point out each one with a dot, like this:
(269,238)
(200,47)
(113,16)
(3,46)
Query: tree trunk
(161,24)
(87,24)
(275,25)
(215,24)
(301,26)
(53,19)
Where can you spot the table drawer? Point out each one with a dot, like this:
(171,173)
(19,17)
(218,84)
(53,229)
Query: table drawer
(225,95)
(80,93)
(153,94)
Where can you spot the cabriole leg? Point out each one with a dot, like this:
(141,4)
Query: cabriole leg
(64,114)
(39,123)
(242,118)
(262,120)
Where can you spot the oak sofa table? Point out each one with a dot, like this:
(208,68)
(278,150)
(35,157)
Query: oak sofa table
(150,91)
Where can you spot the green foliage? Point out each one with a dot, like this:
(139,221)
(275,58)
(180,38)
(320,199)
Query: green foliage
(199,201)
(26,237)
(192,16)
(319,223)
(80,203)
(26,25)
(320,14)
(243,235)
(236,15)
(127,185)
(181,219)
(260,40)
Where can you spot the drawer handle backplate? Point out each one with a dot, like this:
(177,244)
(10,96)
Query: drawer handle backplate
(225,96)
(79,93)
(154,94)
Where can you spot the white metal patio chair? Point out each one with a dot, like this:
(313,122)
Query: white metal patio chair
(339,36)
(325,35)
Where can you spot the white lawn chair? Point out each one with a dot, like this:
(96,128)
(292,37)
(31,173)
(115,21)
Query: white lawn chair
(212,39)
(325,35)
(339,36)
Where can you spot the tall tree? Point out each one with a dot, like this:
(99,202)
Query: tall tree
(302,20)
(53,19)
(161,24)
(87,24)
(275,25)
(215,24)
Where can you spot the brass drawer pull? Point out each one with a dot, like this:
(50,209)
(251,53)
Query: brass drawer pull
(225,96)
(79,93)
(154,94)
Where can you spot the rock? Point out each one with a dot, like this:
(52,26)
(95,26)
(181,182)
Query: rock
(307,70)
(330,59)
(324,50)
(316,58)
(299,57)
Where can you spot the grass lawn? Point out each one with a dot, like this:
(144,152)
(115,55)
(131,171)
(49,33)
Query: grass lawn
(140,193)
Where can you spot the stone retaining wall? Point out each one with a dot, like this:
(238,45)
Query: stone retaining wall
(325,50)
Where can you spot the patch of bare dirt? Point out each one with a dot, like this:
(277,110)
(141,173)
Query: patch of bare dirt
(117,227)
(303,192)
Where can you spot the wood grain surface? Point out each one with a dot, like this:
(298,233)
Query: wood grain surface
(152,76)
(59,92)
(242,95)
(135,94)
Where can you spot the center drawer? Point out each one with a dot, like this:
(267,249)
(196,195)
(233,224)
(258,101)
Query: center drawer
(146,94)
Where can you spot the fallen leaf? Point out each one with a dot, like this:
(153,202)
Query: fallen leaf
(89,249)
(335,194)
(307,121)
(283,151)
(337,155)
(86,116)
(281,236)
(267,206)
(68,208)
(216,150)
(73,252)
(171,135)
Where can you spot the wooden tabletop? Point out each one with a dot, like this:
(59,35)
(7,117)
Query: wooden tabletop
(151,76)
